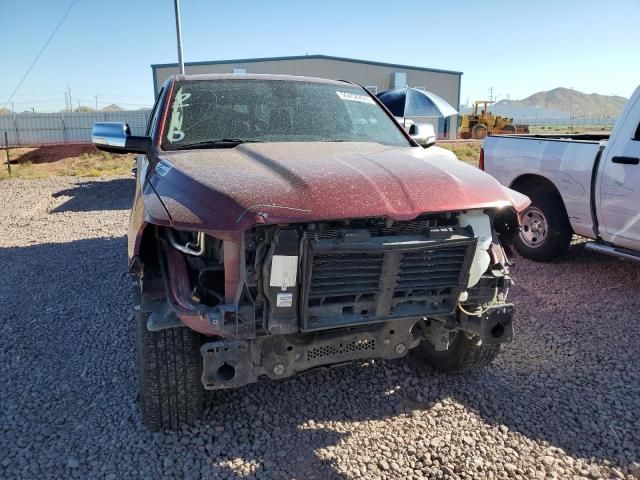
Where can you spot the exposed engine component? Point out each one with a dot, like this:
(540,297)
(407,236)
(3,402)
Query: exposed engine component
(433,276)
(307,277)
(189,248)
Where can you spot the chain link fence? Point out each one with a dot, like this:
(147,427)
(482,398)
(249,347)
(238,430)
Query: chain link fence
(26,129)
(43,144)
(576,122)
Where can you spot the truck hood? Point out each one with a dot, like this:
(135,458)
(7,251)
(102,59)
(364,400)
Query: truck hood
(233,189)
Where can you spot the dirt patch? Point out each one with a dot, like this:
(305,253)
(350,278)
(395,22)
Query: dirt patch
(76,160)
(51,153)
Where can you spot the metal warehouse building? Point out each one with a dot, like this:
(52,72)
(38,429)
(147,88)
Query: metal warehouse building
(376,76)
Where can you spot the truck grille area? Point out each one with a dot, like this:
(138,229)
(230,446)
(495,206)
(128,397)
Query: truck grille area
(426,270)
(345,274)
(369,279)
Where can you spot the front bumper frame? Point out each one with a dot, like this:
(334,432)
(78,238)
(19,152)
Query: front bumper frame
(234,363)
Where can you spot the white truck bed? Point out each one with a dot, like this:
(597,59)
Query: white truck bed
(583,184)
(566,162)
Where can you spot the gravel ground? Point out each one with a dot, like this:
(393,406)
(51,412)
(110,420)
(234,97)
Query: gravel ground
(562,401)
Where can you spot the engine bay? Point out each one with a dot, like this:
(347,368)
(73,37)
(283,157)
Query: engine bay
(336,274)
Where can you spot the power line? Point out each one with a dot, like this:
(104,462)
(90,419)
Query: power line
(84,99)
(24,94)
(118,95)
(24,77)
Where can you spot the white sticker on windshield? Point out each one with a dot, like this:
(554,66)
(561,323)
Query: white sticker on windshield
(354,97)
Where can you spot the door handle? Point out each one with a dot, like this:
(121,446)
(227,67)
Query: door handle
(626,160)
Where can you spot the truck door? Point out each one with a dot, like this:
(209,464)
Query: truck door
(619,206)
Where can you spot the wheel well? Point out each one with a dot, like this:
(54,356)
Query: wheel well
(521,183)
(524,181)
(148,250)
(147,263)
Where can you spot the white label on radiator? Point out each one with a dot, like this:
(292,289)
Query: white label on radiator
(284,300)
(283,271)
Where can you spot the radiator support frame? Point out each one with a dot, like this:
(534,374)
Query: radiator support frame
(384,303)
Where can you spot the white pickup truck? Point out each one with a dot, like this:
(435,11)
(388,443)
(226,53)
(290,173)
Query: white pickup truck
(583,184)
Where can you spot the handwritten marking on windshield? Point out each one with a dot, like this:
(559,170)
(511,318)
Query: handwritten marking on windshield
(175,126)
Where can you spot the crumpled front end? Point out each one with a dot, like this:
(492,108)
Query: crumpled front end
(277,299)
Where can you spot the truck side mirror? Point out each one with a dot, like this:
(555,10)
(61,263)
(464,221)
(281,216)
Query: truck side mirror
(115,137)
(423,133)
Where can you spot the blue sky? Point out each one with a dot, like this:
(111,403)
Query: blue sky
(519,48)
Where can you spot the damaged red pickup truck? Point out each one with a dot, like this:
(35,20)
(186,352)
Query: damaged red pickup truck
(285,223)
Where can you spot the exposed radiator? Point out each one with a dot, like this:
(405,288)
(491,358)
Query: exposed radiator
(384,278)
(339,274)
(428,269)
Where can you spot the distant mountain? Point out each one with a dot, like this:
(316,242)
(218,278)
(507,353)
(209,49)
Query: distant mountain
(582,104)
(112,108)
(84,108)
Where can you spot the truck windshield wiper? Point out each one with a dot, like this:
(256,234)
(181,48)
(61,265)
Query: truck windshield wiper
(218,143)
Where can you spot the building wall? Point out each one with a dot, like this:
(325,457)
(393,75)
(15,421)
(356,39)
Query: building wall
(445,84)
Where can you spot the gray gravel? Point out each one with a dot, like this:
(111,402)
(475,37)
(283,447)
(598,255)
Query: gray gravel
(562,401)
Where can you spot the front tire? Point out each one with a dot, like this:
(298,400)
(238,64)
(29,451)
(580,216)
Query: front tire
(479,132)
(169,375)
(546,232)
(465,354)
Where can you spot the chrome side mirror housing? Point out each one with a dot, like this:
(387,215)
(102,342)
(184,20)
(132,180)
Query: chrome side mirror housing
(115,137)
(423,133)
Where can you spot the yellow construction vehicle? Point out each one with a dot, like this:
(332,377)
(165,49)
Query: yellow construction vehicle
(482,122)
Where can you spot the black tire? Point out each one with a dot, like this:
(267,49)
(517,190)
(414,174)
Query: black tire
(464,354)
(547,206)
(169,370)
(479,132)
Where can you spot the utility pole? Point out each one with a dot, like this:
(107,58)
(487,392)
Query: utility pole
(491,94)
(66,102)
(179,36)
(6,149)
(69,92)
(571,110)
(571,105)
(605,106)
(33,109)
(97,95)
